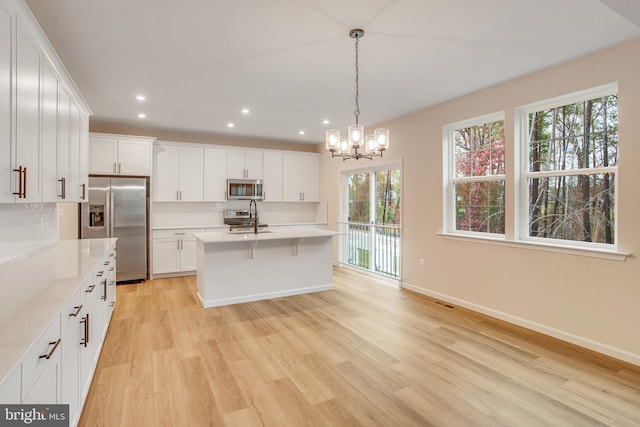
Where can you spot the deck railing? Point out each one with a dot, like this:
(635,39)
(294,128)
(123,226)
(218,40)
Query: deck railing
(372,247)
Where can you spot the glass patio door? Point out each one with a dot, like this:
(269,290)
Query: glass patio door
(371,238)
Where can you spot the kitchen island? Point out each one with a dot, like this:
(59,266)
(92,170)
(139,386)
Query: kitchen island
(242,267)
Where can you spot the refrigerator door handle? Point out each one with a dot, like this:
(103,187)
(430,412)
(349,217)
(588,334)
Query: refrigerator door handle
(112,208)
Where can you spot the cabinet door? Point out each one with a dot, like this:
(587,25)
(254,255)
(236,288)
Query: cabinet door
(134,157)
(165,256)
(84,158)
(215,174)
(272,176)
(188,255)
(70,368)
(73,183)
(235,164)
(103,154)
(47,388)
(310,177)
(7,177)
(253,164)
(28,114)
(165,176)
(64,145)
(291,178)
(10,387)
(191,174)
(49,91)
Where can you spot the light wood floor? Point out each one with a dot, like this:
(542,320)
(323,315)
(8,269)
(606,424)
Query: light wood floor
(365,354)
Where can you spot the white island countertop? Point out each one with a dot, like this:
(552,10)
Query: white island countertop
(229,237)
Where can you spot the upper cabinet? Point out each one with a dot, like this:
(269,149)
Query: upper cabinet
(6,110)
(178,175)
(40,115)
(120,155)
(244,164)
(301,177)
(272,176)
(215,174)
(27,137)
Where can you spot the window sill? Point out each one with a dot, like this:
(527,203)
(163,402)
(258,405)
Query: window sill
(540,246)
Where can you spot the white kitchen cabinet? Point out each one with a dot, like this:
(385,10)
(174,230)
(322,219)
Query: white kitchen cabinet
(41,367)
(10,387)
(272,176)
(174,251)
(51,184)
(64,143)
(6,110)
(178,174)
(244,164)
(72,335)
(83,148)
(215,174)
(73,192)
(120,155)
(300,175)
(27,145)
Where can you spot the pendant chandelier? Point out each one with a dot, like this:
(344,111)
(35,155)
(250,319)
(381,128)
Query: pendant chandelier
(355,144)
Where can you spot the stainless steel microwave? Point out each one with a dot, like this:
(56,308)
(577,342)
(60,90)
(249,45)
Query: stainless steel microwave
(244,189)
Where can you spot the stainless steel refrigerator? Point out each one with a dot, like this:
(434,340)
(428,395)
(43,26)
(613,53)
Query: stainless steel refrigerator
(117,207)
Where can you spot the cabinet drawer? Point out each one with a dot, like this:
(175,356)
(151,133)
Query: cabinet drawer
(37,358)
(176,233)
(70,312)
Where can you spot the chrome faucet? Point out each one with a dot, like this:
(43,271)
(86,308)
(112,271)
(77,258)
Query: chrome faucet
(254,216)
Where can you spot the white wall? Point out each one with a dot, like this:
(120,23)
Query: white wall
(590,301)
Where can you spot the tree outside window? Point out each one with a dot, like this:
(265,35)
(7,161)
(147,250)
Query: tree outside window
(572,166)
(477,176)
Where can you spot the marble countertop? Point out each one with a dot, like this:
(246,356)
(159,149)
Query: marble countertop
(36,285)
(229,237)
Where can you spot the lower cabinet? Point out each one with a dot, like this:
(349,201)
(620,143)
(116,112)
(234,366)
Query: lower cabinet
(59,366)
(174,251)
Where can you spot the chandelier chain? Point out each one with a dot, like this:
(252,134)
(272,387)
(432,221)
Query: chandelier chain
(357,110)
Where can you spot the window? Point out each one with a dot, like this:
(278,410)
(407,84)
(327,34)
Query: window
(476,176)
(569,179)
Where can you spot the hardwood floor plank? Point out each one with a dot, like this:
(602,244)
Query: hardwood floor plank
(364,354)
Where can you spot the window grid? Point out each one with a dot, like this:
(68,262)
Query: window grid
(475,193)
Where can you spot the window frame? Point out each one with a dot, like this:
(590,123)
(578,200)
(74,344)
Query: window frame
(450,180)
(521,144)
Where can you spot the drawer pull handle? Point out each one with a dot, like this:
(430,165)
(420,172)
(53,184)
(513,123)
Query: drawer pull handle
(99,273)
(107,262)
(104,290)
(75,313)
(85,339)
(90,289)
(111,268)
(55,345)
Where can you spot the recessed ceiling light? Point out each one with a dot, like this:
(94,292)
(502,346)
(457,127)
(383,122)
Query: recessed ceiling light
(141,97)
(230,125)
(142,115)
(325,122)
(245,111)
(301,132)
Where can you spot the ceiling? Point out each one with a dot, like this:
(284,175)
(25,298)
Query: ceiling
(291,62)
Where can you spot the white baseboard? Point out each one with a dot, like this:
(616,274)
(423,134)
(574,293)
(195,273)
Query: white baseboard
(268,295)
(556,333)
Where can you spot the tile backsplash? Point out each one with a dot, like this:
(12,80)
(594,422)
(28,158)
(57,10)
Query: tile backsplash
(210,214)
(28,222)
